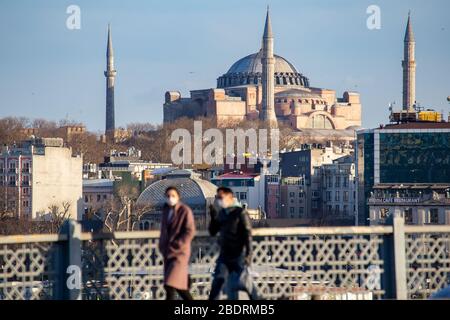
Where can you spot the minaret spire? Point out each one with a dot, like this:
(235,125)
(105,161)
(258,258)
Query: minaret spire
(409,68)
(268,69)
(110,75)
(268,25)
(409,34)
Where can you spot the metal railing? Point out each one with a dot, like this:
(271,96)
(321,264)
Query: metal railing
(379,262)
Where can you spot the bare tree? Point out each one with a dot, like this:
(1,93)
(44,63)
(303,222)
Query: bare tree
(58,214)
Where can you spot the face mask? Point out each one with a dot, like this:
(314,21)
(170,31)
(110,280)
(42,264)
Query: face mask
(221,204)
(172,201)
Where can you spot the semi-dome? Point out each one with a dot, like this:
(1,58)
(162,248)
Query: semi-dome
(298,93)
(248,71)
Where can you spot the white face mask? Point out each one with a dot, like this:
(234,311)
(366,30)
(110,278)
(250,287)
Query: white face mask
(171,201)
(221,204)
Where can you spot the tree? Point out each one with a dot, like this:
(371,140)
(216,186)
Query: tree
(58,214)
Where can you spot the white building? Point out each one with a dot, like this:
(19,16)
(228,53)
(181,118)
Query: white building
(38,174)
(248,188)
(130,162)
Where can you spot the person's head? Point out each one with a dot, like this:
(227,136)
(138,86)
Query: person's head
(172,196)
(224,197)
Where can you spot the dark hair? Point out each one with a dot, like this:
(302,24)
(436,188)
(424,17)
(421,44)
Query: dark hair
(225,190)
(174,189)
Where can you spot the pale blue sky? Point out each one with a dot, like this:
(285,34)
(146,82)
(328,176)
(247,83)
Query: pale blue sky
(49,71)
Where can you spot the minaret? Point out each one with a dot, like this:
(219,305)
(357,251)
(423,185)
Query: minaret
(409,68)
(110,75)
(268,69)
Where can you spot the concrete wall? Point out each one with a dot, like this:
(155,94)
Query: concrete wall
(56,178)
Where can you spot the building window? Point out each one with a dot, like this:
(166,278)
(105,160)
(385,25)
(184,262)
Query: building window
(291,209)
(25,204)
(345,210)
(315,204)
(328,196)
(291,194)
(144,225)
(408,216)
(345,182)
(26,167)
(336,196)
(345,196)
(337,209)
(434,216)
(243,195)
(86,199)
(330,182)
(99,197)
(338,182)
(300,211)
(26,181)
(12,166)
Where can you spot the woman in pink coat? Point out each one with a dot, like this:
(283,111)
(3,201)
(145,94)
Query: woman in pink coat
(177,232)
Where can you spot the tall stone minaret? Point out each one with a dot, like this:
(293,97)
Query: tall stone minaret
(110,75)
(409,68)
(268,69)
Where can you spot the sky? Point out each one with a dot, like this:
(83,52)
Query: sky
(49,71)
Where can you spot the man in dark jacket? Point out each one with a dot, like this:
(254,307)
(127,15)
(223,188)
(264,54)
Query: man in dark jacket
(235,241)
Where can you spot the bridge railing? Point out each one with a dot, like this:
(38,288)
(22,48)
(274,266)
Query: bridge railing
(377,262)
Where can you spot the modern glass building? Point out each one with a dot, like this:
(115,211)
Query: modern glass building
(396,156)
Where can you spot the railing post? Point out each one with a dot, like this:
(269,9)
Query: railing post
(399,244)
(71,266)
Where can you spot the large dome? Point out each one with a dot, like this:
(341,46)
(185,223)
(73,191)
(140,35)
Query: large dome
(194,191)
(252,64)
(248,71)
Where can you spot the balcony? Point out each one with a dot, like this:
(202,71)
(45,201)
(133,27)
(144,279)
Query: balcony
(287,263)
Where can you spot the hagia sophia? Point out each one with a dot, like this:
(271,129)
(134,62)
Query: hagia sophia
(268,87)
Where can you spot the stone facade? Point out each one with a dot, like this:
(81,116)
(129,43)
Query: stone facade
(242,94)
